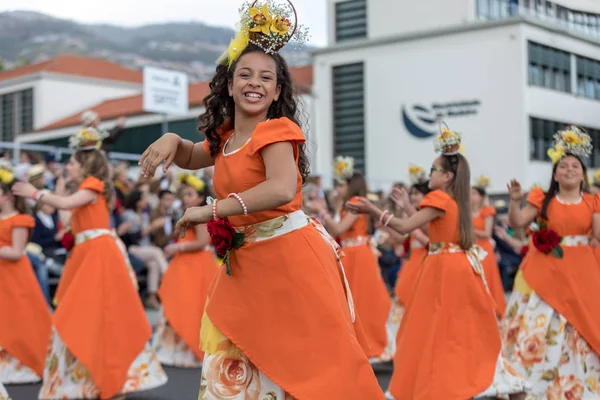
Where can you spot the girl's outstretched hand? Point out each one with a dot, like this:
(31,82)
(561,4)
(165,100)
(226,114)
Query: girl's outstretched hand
(361,205)
(164,149)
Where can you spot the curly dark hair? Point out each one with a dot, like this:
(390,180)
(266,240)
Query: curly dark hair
(220,107)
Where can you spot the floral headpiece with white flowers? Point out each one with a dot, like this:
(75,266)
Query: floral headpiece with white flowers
(343,168)
(416,174)
(448,142)
(482,182)
(6,175)
(267,25)
(192,180)
(87,139)
(573,140)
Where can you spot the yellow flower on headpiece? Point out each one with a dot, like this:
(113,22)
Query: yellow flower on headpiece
(416,174)
(344,167)
(6,177)
(261,18)
(483,182)
(570,138)
(556,153)
(281,25)
(235,49)
(597,175)
(195,182)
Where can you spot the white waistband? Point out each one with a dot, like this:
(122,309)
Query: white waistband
(90,234)
(575,240)
(275,227)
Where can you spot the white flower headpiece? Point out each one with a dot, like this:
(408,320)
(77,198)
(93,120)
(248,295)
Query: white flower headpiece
(344,168)
(482,182)
(416,174)
(448,142)
(572,140)
(87,139)
(267,25)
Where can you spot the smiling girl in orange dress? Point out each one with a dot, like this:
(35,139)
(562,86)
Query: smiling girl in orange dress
(371,298)
(24,315)
(280,321)
(551,330)
(483,222)
(449,344)
(184,288)
(99,345)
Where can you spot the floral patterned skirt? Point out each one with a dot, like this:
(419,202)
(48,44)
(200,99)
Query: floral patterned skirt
(66,378)
(170,348)
(392,328)
(228,374)
(13,372)
(546,349)
(3,393)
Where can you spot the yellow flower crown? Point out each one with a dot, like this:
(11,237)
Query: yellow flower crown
(6,176)
(343,168)
(448,142)
(482,182)
(192,180)
(416,174)
(573,140)
(87,139)
(267,25)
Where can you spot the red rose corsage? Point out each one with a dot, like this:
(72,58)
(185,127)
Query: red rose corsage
(224,239)
(547,241)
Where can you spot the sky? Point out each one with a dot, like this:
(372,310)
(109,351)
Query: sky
(311,13)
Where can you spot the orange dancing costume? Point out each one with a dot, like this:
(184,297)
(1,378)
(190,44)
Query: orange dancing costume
(448,344)
(25,319)
(281,326)
(551,331)
(371,298)
(409,272)
(490,266)
(183,292)
(100,331)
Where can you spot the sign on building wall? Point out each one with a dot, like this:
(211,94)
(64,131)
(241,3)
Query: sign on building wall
(165,91)
(422,121)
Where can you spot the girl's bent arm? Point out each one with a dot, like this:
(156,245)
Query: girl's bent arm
(17,250)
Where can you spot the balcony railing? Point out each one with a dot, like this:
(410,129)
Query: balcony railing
(583,23)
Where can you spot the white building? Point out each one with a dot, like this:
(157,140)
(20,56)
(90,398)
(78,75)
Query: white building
(507,74)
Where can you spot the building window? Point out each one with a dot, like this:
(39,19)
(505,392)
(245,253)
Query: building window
(16,114)
(549,67)
(588,78)
(349,113)
(541,139)
(350,20)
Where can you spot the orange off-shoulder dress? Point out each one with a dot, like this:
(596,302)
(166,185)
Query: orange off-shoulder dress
(182,293)
(281,325)
(25,319)
(100,333)
(490,266)
(371,298)
(551,330)
(449,344)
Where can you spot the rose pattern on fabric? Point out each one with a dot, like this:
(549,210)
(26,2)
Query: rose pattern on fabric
(170,348)
(548,350)
(12,371)
(65,377)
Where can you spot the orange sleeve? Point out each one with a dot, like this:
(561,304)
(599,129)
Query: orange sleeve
(436,199)
(354,200)
(536,197)
(488,211)
(275,131)
(224,133)
(206,146)
(23,221)
(92,183)
(596,204)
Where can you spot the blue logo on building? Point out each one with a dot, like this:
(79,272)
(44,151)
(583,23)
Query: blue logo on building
(422,121)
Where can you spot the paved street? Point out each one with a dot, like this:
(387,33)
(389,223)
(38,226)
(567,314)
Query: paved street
(183,383)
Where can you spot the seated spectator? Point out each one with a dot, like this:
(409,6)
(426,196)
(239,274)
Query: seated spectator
(164,236)
(135,230)
(46,233)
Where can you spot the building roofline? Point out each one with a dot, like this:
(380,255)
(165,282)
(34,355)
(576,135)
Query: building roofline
(451,30)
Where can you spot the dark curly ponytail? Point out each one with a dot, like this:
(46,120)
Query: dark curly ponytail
(220,107)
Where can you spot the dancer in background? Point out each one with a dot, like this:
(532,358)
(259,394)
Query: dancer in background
(184,288)
(279,313)
(99,344)
(551,329)
(483,223)
(25,320)
(371,298)
(419,242)
(449,346)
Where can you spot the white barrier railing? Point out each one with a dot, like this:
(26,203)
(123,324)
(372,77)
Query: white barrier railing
(58,152)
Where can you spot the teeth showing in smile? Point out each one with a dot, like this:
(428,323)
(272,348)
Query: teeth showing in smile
(253,95)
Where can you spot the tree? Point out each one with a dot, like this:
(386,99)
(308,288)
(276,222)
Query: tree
(2,65)
(22,61)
